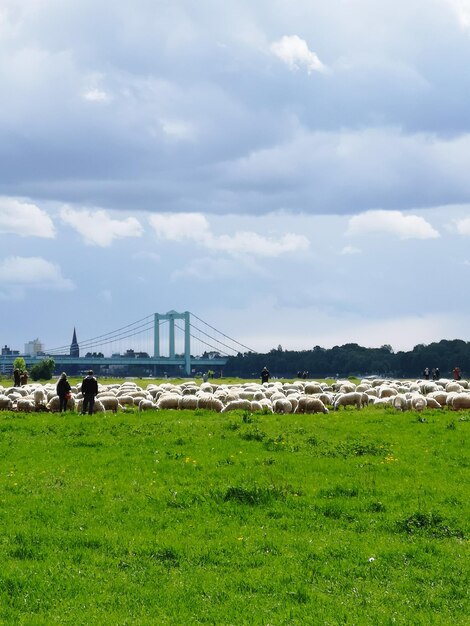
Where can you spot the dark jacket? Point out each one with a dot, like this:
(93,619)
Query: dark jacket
(63,387)
(89,386)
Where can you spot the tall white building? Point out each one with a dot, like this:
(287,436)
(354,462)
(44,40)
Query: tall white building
(32,348)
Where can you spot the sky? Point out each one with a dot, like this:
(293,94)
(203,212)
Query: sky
(292,172)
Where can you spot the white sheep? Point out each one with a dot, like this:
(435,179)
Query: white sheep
(461,401)
(40,398)
(400,402)
(25,405)
(53,404)
(282,405)
(312,387)
(454,386)
(354,398)
(386,391)
(417,402)
(210,402)
(189,402)
(311,404)
(98,407)
(125,400)
(146,405)
(432,403)
(5,403)
(233,405)
(168,401)
(110,403)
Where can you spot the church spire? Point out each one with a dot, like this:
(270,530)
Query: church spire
(74,347)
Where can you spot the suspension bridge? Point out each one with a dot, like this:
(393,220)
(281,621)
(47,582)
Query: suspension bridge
(159,343)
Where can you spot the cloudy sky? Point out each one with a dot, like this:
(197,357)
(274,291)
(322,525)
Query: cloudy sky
(293,172)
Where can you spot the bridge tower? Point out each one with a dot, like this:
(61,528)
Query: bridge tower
(171,316)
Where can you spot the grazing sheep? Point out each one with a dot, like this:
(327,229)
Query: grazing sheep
(311,388)
(40,398)
(326,398)
(25,405)
(5,403)
(440,396)
(461,401)
(310,404)
(168,401)
(432,403)
(282,405)
(237,404)
(53,404)
(381,401)
(98,407)
(387,392)
(454,386)
(146,405)
(110,403)
(210,402)
(400,402)
(355,398)
(189,402)
(125,400)
(347,388)
(417,402)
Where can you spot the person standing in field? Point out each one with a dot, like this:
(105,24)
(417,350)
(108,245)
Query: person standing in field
(265,375)
(89,389)
(63,390)
(456,373)
(23,378)
(16,377)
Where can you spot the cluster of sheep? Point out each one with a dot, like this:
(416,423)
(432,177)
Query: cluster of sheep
(300,396)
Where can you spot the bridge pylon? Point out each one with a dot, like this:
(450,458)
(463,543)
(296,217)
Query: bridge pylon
(171,316)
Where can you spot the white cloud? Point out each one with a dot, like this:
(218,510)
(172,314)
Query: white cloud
(93,91)
(195,227)
(461,8)
(180,226)
(251,243)
(463,226)
(24,219)
(20,273)
(392,222)
(350,250)
(98,228)
(96,95)
(178,129)
(295,52)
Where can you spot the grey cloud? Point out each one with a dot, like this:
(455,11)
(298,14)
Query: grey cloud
(196,113)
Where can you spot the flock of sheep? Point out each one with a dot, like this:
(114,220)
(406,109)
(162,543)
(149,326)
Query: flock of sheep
(300,396)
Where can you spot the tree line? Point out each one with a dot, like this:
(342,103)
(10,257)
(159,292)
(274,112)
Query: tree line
(352,359)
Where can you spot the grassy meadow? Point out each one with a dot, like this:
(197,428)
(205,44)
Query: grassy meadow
(192,517)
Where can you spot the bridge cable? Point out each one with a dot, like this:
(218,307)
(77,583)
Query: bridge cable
(223,334)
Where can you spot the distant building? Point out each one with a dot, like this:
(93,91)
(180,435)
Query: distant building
(33,348)
(74,347)
(6,351)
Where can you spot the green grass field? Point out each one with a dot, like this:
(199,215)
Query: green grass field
(172,517)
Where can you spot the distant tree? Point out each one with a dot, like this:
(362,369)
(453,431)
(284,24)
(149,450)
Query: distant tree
(43,370)
(19,363)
